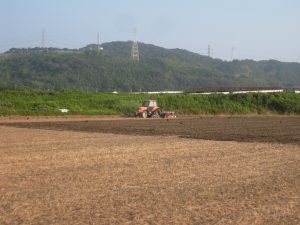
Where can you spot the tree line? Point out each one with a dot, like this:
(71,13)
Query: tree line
(159,69)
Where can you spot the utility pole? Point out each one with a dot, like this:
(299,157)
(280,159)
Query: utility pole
(135,56)
(208,51)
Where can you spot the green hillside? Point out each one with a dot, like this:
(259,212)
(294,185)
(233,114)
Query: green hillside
(159,69)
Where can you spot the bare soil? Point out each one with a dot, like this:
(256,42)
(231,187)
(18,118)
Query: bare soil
(278,129)
(125,171)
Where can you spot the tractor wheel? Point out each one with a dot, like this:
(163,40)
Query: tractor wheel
(156,114)
(159,112)
(144,114)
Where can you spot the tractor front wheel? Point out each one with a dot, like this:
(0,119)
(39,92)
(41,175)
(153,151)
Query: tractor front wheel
(144,114)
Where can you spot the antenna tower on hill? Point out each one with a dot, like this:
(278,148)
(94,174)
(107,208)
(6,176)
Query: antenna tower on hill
(232,53)
(135,56)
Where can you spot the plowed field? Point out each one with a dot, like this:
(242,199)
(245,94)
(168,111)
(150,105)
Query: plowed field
(278,129)
(209,170)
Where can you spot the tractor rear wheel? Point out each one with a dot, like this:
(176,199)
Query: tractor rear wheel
(156,114)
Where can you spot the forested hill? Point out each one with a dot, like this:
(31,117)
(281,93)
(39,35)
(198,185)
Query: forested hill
(158,69)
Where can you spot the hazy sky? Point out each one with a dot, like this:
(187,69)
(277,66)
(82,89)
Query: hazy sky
(258,29)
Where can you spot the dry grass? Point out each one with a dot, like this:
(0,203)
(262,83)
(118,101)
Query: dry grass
(65,177)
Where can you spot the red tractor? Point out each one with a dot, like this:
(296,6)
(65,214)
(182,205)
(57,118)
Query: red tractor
(150,109)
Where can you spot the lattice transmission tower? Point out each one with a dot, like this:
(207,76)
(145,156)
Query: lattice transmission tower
(43,43)
(135,56)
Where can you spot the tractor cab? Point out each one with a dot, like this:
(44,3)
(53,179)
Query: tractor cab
(150,103)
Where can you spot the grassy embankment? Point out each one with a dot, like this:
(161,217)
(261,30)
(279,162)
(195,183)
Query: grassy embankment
(28,102)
